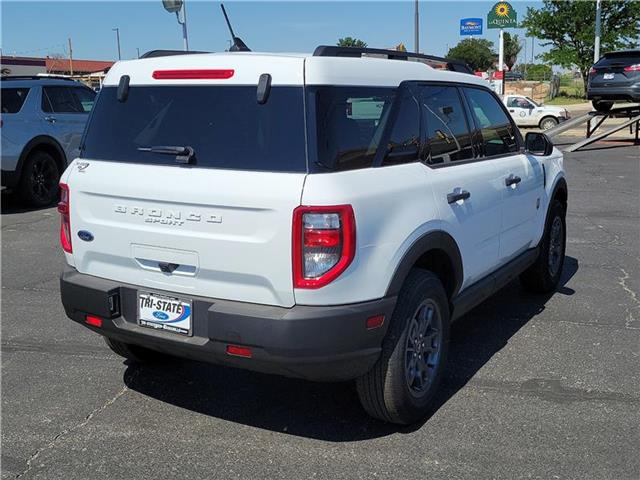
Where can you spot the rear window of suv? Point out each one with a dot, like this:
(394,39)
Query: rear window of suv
(225,126)
(13,99)
(619,58)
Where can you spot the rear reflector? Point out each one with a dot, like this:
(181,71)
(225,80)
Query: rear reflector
(193,74)
(375,322)
(238,351)
(93,321)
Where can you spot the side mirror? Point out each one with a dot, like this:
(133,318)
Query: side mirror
(537,143)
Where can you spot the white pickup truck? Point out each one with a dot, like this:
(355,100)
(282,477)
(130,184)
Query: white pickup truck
(527,113)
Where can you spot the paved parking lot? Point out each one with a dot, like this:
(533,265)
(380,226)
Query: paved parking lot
(538,387)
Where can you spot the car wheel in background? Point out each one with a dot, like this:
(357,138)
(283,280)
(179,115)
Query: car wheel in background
(548,122)
(602,105)
(401,385)
(39,180)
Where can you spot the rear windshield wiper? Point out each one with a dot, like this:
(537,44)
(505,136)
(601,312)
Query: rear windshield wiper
(183,154)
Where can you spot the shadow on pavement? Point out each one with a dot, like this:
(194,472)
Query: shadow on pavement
(11,204)
(332,412)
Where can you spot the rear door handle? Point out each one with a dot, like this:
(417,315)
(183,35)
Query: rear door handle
(50,119)
(454,196)
(512,180)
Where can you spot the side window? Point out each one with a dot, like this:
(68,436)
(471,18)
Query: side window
(85,97)
(446,125)
(349,124)
(60,100)
(513,102)
(13,99)
(498,135)
(404,142)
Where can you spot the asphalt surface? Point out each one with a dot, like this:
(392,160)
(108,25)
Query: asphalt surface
(537,387)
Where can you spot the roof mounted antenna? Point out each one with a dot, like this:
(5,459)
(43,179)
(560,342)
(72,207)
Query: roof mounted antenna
(238,45)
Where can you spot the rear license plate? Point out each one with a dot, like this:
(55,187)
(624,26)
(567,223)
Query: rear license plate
(164,313)
(609,76)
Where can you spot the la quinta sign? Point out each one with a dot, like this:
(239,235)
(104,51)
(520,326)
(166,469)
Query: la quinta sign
(502,15)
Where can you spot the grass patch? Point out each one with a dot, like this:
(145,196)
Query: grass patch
(565,101)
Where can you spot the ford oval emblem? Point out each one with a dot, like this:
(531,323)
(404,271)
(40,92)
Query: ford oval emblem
(160,315)
(86,236)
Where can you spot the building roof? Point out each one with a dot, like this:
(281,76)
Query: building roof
(55,65)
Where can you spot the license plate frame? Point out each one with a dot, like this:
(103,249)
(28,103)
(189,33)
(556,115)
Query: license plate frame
(609,76)
(161,312)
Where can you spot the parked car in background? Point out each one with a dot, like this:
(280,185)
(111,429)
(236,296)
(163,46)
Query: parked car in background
(615,77)
(43,119)
(528,113)
(513,76)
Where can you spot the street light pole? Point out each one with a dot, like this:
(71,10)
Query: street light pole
(596,46)
(416,28)
(117,30)
(185,37)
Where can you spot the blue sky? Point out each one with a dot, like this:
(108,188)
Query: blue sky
(33,28)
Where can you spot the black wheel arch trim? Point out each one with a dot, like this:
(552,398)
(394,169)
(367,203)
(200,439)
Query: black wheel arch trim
(36,142)
(435,240)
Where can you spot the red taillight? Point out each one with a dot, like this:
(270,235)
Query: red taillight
(216,74)
(93,321)
(632,68)
(65,221)
(239,351)
(374,322)
(324,244)
(593,71)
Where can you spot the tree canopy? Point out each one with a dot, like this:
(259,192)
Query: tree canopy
(569,28)
(477,52)
(351,42)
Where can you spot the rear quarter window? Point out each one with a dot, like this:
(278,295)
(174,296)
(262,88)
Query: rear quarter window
(13,99)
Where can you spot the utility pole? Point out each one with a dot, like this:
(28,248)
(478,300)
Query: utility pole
(416,28)
(596,46)
(138,50)
(117,30)
(70,58)
(525,57)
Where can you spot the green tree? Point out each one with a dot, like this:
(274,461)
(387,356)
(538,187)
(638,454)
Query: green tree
(512,47)
(477,52)
(569,28)
(351,42)
(535,71)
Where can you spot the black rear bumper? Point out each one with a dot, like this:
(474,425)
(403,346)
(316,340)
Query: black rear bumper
(315,343)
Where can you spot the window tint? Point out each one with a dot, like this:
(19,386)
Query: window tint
(619,58)
(225,126)
(498,135)
(348,124)
(85,97)
(13,99)
(446,124)
(404,142)
(60,100)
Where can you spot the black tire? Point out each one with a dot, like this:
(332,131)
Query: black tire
(602,105)
(135,353)
(543,276)
(548,122)
(386,391)
(39,180)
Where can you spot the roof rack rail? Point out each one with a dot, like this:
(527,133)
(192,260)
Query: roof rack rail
(357,52)
(168,53)
(37,77)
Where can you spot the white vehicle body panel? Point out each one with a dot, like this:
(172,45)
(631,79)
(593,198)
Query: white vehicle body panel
(230,231)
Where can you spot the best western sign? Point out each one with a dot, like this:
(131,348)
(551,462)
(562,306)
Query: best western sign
(502,15)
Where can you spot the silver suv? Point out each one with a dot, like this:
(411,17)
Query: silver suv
(43,119)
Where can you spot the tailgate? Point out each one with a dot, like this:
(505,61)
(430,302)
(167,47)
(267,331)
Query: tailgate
(203,232)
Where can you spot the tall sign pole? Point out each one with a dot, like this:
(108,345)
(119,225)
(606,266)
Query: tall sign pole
(596,46)
(502,15)
(416,28)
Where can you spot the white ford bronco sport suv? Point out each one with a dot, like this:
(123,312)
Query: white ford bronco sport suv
(315,216)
